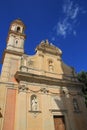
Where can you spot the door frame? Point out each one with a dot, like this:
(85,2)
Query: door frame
(64,113)
(59,116)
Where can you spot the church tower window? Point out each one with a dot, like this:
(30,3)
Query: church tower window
(18,29)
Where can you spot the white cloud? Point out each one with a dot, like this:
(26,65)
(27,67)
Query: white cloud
(67,25)
(74,33)
(75,13)
(69,20)
(63,28)
(70,9)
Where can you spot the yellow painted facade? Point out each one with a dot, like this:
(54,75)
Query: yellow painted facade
(38,92)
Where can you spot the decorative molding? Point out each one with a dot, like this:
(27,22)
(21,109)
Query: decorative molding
(44,90)
(22,88)
(30,62)
(31,77)
(24,68)
(47,47)
(35,113)
(11,52)
(58,110)
(16,33)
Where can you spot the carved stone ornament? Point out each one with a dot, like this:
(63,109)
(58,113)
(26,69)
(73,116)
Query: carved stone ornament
(22,88)
(44,90)
(45,46)
(30,63)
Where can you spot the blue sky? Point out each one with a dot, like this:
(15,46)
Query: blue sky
(62,22)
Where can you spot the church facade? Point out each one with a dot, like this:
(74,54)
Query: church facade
(38,92)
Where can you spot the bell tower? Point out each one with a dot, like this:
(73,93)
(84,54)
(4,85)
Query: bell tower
(16,37)
(14,50)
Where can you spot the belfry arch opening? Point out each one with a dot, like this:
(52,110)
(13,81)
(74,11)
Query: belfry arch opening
(18,29)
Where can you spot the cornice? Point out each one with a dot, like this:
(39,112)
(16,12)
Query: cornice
(17,33)
(35,78)
(11,52)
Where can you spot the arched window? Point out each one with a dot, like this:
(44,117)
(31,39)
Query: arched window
(50,66)
(34,103)
(18,29)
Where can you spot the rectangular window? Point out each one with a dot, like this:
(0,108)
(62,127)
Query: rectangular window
(59,123)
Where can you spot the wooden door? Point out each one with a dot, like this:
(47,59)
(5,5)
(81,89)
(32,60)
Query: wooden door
(59,123)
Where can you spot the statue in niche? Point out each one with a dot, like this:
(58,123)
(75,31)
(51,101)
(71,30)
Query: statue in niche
(51,68)
(34,103)
(75,104)
(23,61)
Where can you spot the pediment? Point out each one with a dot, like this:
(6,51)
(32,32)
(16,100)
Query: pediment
(47,47)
